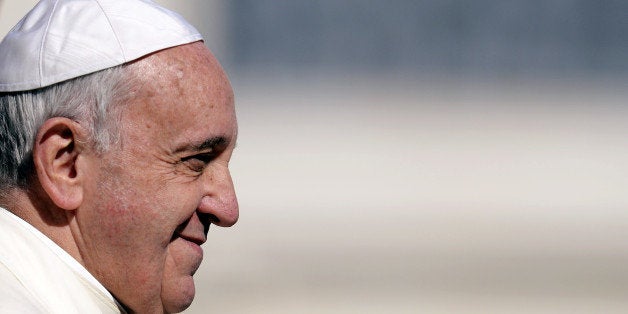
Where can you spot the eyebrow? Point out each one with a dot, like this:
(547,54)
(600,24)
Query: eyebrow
(210,143)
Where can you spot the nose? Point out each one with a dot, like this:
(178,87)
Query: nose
(219,201)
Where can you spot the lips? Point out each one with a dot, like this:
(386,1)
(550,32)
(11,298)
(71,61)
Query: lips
(196,240)
(191,230)
(192,239)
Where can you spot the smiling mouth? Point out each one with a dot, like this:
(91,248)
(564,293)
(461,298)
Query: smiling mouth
(196,240)
(193,240)
(190,233)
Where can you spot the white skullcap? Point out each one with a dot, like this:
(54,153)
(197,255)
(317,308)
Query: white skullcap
(64,39)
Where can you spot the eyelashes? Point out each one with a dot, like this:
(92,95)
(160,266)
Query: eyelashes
(198,162)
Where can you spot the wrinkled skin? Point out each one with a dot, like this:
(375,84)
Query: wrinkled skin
(150,201)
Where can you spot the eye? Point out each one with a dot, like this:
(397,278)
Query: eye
(198,162)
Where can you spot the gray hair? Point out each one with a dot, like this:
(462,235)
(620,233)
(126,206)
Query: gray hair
(90,100)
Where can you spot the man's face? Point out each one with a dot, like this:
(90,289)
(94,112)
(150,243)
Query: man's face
(151,200)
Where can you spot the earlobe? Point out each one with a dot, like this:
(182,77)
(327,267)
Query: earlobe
(56,153)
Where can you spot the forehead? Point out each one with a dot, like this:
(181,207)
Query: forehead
(182,95)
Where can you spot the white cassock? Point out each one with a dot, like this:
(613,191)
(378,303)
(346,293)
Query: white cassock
(38,276)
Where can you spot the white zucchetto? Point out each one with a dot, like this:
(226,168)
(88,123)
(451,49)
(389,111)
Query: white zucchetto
(64,39)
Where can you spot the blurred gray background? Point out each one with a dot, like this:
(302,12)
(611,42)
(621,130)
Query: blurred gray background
(420,156)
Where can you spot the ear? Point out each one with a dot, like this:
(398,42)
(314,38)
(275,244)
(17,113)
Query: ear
(57,150)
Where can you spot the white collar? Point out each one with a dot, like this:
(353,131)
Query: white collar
(64,256)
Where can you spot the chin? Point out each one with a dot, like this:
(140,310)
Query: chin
(180,297)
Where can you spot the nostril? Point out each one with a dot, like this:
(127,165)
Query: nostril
(207,219)
(219,209)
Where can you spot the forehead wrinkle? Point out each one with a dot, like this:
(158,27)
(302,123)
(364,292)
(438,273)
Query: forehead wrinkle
(176,82)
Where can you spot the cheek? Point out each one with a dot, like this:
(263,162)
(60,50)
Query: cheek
(131,229)
(135,209)
(124,245)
